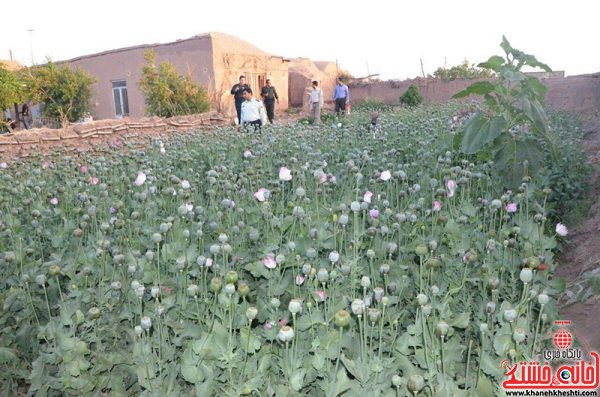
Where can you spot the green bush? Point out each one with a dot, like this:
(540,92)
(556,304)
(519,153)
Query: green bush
(65,93)
(412,96)
(463,71)
(168,93)
(10,88)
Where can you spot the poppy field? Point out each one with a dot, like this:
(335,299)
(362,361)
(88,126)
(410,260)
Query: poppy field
(300,261)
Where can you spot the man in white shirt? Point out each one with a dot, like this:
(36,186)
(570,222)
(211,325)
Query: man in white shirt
(316,102)
(253,111)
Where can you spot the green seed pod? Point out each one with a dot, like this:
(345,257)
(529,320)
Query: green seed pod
(526,275)
(441,329)
(295,306)
(421,250)
(243,288)
(374,314)
(341,318)
(510,315)
(519,335)
(415,383)
(286,334)
(229,289)
(251,313)
(94,313)
(54,270)
(215,285)
(434,262)
(231,277)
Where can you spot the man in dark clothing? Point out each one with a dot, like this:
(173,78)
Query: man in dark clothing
(269,96)
(238,93)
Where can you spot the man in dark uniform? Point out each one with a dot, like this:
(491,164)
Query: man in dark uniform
(238,93)
(269,96)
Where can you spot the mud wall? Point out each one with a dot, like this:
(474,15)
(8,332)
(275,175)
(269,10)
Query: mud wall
(580,94)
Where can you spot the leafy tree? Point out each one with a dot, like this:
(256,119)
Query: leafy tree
(464,71)
(11,90)
(513,125)
(167,92)
(65,93)
(412,96)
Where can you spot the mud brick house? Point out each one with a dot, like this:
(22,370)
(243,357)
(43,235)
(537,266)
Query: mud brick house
(215,60)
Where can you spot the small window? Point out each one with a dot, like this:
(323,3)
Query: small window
(119,88)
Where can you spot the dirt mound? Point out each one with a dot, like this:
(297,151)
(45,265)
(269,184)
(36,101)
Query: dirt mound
(580,263)
(111,132)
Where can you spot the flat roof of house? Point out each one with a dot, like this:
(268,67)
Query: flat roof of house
(225,40)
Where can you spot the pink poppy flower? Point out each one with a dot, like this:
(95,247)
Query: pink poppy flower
(83,169)
(285,174)
(269,262)
(140,179)
(323,178)
(374,213)
(185,184)
(94,180)
(385,175)
(561,229)
(45,164)
(261,194)
(209,262)
(332,179)
(367,197)
(189,206)
(3,165)
(247,153)
(54,201)
(299,279)
(451,186)
(268,324)
(437,205)
(511,207)
(283,322)
(321,295)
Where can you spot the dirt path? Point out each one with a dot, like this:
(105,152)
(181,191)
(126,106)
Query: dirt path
(580,263)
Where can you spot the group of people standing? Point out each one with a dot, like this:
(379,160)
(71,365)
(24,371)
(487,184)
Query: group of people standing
(341,98)
(252,112)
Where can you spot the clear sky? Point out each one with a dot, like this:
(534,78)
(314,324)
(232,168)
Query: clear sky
(388,37)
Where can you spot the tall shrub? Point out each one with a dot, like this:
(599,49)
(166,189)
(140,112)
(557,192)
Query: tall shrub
(412,96)
(167,92)
(65,93)
(513,125)
(11,89)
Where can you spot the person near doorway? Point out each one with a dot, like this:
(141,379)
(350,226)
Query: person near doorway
(268,94)
(25,116)
(316,102)
(238,94)
(341,96)
(253,111)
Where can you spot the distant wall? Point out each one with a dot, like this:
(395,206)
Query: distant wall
(580,94)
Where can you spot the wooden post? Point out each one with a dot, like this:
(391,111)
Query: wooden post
(17,117)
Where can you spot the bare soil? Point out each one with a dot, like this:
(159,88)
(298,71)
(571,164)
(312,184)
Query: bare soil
(581,260)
